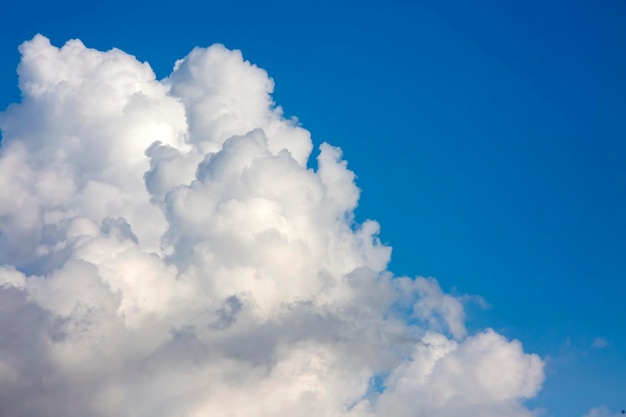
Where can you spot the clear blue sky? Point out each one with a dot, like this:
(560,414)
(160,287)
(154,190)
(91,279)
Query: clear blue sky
(489,141)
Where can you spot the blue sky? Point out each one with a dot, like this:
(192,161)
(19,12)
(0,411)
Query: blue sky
(488,139)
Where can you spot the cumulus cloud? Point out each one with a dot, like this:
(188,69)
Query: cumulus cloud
(166,249)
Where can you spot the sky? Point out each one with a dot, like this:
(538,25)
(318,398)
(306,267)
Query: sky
(487,140)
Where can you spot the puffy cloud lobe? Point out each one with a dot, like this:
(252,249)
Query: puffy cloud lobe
(165,249)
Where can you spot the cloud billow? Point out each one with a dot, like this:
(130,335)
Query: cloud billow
(165,249)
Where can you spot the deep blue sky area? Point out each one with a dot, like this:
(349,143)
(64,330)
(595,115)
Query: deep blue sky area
(488,137)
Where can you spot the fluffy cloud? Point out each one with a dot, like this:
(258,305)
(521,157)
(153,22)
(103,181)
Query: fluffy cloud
(166,249)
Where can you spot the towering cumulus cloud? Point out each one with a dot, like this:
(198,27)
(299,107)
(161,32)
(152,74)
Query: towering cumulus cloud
(166,250)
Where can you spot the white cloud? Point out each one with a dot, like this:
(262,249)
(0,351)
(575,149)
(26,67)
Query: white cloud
(601,412)
(166,250)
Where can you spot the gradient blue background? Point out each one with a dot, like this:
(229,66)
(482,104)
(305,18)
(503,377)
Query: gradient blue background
(489,140)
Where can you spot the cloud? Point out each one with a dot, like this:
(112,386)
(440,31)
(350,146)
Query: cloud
(166,249)
(600,343)
(601,412)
